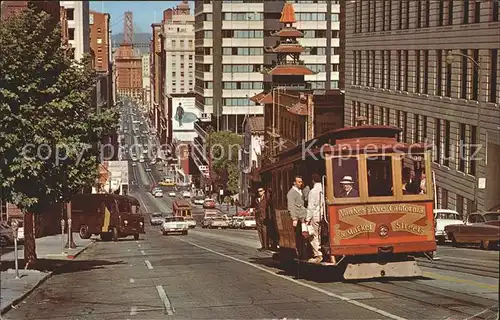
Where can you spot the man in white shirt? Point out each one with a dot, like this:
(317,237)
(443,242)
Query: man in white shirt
(313,217)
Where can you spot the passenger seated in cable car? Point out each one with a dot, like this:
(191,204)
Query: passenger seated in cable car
(348,190)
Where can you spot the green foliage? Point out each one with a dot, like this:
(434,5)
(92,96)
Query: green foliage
(224,149)
(46,99)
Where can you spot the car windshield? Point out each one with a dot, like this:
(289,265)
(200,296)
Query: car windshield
(156,215)
(448,215)
(174,219)
(249,218)
(494,216)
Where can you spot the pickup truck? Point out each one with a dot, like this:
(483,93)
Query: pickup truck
(174,225)
(443,218)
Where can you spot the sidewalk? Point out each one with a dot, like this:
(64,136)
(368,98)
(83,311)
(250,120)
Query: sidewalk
(51,258)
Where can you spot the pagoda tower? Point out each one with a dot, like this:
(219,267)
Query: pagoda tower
(287,105)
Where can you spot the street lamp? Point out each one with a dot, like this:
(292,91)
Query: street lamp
(449,60)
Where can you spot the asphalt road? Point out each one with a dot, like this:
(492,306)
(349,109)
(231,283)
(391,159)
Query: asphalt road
(219,274)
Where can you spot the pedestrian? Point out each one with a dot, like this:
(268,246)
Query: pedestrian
(313,218)
(261,217)
(297,210)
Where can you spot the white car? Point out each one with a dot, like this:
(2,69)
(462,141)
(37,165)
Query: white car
(199,201)
(443,218)
(156,218)
(134,164)
(141,160)
(148,169)
(191,222)
(174,225)
(158,194)
(171,194)
(218,222)
(186,194)
(248,223)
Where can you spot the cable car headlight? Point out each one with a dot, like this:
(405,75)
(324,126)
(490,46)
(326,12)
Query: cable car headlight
(125,222)
(383,231)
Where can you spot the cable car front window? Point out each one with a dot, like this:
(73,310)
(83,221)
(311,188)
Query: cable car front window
(379,171)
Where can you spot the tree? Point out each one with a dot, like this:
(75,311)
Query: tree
(224,149)
(48,122)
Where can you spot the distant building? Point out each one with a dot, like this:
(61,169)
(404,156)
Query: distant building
(178,37)
(128,72)
(77,14)
(146,84)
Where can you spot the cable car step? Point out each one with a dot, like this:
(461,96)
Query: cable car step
(323,263)
(379,270)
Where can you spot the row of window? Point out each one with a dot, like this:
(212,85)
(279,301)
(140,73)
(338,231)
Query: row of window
(243,34)
(463,205)
(181,43)
(237,102)
(315,34)
(258,16)
(238,51)
(415,131)
(401,68)
(381,13)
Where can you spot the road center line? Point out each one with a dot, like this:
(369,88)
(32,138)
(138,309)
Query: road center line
(328,293)
(133,311)
(150,266)
(143,253)
(166,301)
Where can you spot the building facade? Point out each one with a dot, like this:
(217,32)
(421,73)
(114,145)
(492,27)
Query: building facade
(178,37)
(77,14)
(230,38)
(432,69)
(146,84)
(128,68)
(100,44)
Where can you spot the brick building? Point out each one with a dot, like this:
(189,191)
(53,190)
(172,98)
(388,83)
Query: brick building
(128,72)
(432,69)
(100,46)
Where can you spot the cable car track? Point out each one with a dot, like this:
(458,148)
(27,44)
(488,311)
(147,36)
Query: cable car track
(483,271)
(401,288)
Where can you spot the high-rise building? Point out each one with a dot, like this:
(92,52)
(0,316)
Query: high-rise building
(146,85)
(178,37)
(230,38)
(432,68)
(77,14)
(128,72)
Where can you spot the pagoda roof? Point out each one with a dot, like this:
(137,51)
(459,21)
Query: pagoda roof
(288,32)
(288,13)
(262,98)
(286,48)
(298,108)
(290,70)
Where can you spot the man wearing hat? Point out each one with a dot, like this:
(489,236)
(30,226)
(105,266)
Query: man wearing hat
(347,188)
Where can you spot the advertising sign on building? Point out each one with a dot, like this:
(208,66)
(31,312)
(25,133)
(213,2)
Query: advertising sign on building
(185,113)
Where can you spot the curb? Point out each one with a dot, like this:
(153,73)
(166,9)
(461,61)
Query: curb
(16,301)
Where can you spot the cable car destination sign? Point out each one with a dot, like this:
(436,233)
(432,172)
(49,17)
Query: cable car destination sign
(406,223)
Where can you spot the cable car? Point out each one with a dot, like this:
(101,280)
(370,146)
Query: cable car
(377,212)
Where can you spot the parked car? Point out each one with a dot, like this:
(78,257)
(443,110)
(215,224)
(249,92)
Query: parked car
(236,222)
(443,218)
(191,222)
(218,222)
(6,235)
(209,204)
(481,228)
(248,223)
(186,194)
(175,225)
(156,219)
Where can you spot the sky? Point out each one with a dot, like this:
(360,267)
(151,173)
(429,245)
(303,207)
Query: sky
(144,13)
